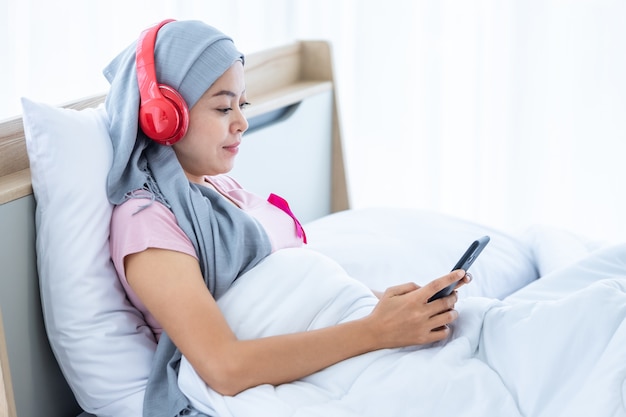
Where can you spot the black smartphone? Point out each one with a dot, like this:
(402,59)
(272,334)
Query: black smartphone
(464,263)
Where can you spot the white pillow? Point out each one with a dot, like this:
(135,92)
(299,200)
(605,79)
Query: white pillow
(101,342)
(382,247)
(555,248)
(603,263)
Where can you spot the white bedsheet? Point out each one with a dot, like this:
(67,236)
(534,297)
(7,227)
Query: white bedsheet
(565,356)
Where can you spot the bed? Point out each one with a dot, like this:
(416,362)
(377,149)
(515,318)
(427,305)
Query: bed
(541,329)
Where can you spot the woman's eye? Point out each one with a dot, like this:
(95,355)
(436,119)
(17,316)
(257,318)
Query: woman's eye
(225,110)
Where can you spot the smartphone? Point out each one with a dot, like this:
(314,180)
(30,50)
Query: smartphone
(464,263)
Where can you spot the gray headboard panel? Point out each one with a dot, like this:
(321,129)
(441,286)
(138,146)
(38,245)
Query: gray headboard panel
(37,380)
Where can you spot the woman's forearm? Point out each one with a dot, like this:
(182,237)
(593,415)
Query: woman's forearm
(280,359)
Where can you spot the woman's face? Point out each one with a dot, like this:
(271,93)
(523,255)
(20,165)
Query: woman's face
(216,125)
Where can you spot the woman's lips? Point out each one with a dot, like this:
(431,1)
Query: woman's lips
(234,148)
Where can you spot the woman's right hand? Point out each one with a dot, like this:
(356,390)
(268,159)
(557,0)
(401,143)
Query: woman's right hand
(404,317)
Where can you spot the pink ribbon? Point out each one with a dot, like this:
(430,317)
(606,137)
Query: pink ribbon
(282,204)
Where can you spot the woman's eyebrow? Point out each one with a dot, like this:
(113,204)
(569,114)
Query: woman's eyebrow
(224,93)
(227,93)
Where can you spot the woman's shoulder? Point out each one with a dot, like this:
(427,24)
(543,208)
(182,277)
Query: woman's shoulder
(141,222)
(140,206)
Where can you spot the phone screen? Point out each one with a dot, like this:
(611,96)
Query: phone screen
(464,263)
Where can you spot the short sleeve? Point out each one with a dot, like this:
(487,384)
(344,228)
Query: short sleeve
(139,224)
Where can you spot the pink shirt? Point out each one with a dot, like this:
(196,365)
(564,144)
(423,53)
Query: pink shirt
(134,230)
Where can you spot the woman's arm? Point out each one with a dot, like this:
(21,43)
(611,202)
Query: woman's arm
(171,286)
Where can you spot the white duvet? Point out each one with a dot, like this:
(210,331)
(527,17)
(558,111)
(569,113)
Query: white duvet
(558,355)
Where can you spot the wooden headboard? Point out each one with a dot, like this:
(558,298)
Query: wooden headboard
(279,82)
(275,79)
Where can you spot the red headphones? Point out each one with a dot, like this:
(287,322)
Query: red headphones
(163,113)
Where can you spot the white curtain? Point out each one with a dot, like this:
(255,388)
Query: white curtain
(506,112)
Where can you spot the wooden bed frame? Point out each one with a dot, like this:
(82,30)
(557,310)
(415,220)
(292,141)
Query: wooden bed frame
(30,379)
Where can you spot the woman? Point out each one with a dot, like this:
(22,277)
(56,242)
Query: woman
(183,231)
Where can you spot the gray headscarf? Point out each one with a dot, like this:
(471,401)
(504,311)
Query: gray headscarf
(190,56)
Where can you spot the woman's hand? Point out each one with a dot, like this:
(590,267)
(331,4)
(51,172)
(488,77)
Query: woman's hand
(404,316)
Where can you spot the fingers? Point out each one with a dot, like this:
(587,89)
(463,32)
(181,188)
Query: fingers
(439,284)
(445,318)
(465,280)
(443,304)
(440,333)
(405,316)
(401,289)
(441,326)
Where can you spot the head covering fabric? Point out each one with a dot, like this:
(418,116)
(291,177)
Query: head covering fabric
(189,56)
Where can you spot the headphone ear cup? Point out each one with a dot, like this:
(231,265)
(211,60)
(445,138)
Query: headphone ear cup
(165,118)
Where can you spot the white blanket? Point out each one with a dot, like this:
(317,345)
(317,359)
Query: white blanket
(564,357)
